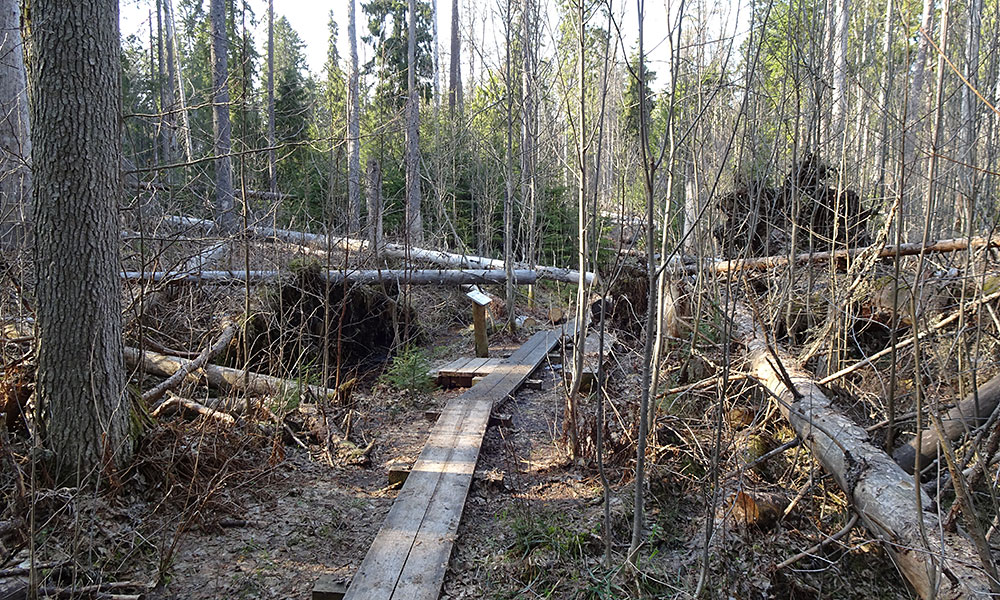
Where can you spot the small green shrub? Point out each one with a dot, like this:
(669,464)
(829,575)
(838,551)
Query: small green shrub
(408,372)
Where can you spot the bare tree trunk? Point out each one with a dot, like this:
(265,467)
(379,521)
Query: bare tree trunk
(455,78)
(15,141)
(970,125)
(76,108)
(414,222)
(508,201)
(648,172)
(161,76)
(225,216)
(373,194)
(177,79)
(272,159)
(528,128)
(839,108)
(353,127)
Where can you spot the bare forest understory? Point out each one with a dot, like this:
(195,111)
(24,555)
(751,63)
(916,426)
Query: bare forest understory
(271,461)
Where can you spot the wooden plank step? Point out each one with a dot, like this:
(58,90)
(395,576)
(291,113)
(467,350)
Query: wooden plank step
(410,554)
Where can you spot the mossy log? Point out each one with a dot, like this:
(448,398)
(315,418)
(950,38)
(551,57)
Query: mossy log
(946,565)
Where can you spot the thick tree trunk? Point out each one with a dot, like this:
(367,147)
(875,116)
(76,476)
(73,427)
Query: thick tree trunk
(882,493)
(414,221)
(353,127)
(15,142)
(224,204)
(76,106)
(455,76)
(272,167)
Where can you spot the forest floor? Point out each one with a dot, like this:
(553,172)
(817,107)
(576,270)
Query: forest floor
(210,511)
(532,524)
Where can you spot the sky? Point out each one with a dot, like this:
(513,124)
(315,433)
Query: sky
(310,19)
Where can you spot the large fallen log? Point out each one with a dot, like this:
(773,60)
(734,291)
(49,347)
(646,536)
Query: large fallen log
(408,253)
(366,276)
(965,416)
(223,378)
(764,263)
(885,496)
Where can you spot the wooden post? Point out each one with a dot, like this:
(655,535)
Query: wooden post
(479,303)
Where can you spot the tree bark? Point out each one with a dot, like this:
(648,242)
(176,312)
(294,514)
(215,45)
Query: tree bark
(882,493)
(15,141)
(206,355)
(839,108)
(76,104)
(224,203)
(414,221)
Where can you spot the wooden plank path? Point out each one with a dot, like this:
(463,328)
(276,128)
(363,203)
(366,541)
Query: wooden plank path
(462,372)
(410,554)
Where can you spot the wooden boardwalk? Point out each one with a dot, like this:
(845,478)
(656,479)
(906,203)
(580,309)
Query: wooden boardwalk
(462,372)
(410,554)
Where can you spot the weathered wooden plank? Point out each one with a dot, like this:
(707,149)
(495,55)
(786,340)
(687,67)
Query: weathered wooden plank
(409,556)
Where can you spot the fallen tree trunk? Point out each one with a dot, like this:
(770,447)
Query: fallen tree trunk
(408,253)
(882,493)
(965,416)
(228,333)
(764,263)
(367,276)
(175,404)
(224,378)
(163,187)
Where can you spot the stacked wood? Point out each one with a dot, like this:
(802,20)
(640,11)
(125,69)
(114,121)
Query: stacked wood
(942,565)
(407,253)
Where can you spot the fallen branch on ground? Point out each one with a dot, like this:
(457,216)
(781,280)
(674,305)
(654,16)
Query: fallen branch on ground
(965,416)
(228,333)
(175,404)
(763,263)
(407,253)
(224,378)
(882,493)
(367,276)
